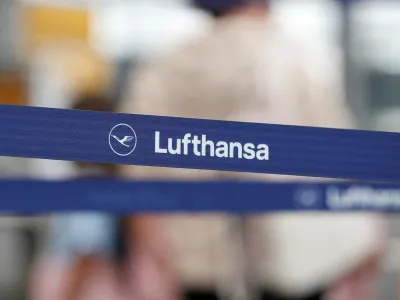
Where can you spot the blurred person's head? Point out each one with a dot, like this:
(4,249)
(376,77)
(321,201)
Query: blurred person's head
(226,8)
(94,102)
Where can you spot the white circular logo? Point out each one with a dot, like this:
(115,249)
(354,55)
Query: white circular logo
(308,198)
(122,139)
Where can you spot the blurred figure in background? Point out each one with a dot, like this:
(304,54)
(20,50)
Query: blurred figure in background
(249,69)
(81,245)
(89,254)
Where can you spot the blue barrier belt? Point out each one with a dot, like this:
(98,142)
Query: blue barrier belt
(215,145)
(37,197)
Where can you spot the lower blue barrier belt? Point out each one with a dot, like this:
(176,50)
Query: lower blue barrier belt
(37,197)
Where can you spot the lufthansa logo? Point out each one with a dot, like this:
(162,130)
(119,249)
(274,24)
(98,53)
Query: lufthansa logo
(122,139)
(308,198)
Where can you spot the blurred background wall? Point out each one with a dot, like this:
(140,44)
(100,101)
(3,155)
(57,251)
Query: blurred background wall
(51,51)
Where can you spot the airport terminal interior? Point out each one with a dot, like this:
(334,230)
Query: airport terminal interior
(53,50)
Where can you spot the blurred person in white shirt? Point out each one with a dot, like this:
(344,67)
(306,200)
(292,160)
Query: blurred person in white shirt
(247,68)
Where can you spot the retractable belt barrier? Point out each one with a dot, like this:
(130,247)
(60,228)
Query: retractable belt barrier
(37,197)
(198,144)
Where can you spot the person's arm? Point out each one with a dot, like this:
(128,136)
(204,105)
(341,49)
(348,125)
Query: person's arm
(77,274)
(324,91)
(150,269)
(322,86)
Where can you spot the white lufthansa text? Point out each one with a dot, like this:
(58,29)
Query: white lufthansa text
(201,146)
(360,197)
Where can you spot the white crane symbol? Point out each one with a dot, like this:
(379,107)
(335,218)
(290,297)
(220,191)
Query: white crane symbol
(124,140)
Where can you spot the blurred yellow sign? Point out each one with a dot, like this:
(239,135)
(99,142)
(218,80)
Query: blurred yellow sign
(62,35)
(49,24)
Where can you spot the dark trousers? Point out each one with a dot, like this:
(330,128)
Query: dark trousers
(200,295)
(318,295)
(211,295)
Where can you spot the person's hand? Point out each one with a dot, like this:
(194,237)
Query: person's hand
(150,271)
(358,284)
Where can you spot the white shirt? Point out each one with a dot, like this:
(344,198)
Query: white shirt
(249,70)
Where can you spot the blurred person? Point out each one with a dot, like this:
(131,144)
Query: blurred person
(247,68)
(89,254)
(81,245)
